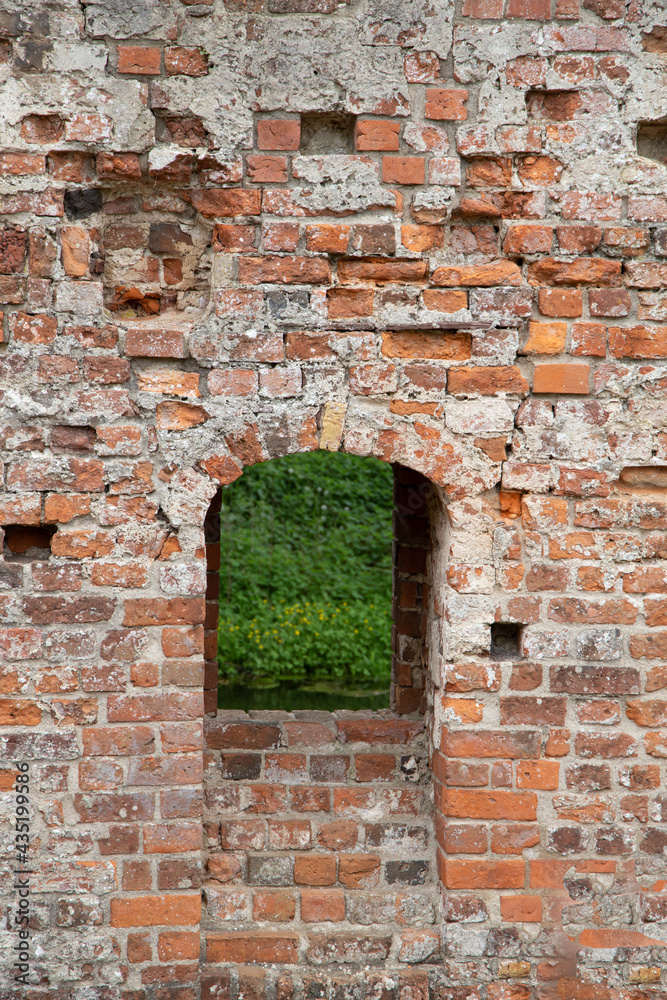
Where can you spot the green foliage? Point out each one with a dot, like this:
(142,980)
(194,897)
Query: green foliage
(306,571)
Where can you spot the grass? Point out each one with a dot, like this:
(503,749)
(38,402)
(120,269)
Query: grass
(306,573)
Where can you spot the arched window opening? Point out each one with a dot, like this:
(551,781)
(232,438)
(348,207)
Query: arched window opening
(306,584)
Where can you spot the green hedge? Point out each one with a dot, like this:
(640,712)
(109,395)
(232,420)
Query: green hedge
(305,579)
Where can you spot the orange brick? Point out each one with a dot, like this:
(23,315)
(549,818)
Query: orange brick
(528,239)
(499,272)
(376,135)
(638,342)
(75,250)
(496,804)
(19,712)
(139,60)
(273,133)
(315,869)
(180,910)
(483,874)
(545,338)
(178,945)
(403,169)
(187,62)
(274,906)
(440,300)
(560,301)
(537,774)
(252,947)
(327,238)
(359,871)
(322,904)
(237,239)
(539,171)
(521,909)
(445,346)
(589,339)
(419,238)
(446,105)
(487,381)
(139,948)
(464,709)
(267,169)
(568,379)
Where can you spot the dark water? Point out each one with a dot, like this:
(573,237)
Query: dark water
(292,697)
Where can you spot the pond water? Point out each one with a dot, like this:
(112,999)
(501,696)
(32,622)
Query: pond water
(295,697)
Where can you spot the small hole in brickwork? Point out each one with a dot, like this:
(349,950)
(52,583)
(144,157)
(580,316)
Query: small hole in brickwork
(327,133)
(82,202)
(33,541)
(506,641)
(652,141)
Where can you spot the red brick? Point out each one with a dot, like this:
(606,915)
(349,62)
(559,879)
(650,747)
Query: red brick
(483,8)
(278,134)
(403,170)
(542,775)
(483,874)
(521,909)
(278,906)
(486,381)
(173,838)
(584,271)
(589,340)
(319,905)
(492,743)
(638,341)
(178,945)
(280,235)
(151,911)
(513,838)
(609,302)
(376,135)
(284,270)
(315,869)
(465,838)
(382,731)
(229,238)
(267,169)
(465,804)
(528,239)
(557,302)
(138,60)
(565,378)
(381,271)
(446,105)
(187,62)
(500,272)
(154,343)
(221,202)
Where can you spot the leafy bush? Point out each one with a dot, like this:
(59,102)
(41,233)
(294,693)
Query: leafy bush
(306,571)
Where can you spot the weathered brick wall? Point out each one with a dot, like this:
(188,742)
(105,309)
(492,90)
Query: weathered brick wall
(320,859)
(427,232)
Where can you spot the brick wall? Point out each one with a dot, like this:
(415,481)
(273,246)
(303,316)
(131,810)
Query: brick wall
(429,232)
(320,859)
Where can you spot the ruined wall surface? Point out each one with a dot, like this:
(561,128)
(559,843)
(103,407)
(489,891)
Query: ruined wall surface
(430,232)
